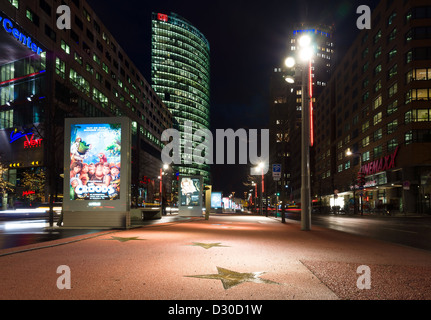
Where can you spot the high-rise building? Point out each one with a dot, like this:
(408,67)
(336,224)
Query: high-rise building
(180,74)
(377,104)
(48,74)
(285,105)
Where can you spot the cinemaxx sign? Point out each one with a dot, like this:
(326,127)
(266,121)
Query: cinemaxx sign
(383,164)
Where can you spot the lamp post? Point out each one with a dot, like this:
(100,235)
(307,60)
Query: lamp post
(349,153)
(255,195)
(162,201)
(306,53)
(260,168)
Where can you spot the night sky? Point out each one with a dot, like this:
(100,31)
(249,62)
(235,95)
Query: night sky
(248,39)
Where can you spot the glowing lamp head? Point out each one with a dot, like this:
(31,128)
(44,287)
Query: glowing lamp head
(289,79)
(348,152)
(290,62)
(306,54)
(304,41)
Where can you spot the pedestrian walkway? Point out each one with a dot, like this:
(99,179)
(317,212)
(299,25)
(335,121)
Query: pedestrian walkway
(227,257)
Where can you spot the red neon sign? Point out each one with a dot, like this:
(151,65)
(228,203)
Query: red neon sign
(27,193)
(32,143)
(382,164)
(162,17)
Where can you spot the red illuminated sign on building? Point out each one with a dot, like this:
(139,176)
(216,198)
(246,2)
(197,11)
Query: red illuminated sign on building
(27,193)
(382,164)
(32,143)
(162,17)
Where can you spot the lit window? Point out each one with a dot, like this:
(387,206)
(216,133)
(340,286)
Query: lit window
(14,3)
(65,47)
(393,90)
(377,118)
(60,67)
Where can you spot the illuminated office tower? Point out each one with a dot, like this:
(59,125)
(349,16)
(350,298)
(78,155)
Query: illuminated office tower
(180,73)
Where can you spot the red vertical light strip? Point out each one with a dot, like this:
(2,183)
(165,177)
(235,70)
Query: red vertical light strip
(161,182)
(311,105)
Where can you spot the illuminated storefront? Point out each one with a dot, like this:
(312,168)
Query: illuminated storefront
(23,86)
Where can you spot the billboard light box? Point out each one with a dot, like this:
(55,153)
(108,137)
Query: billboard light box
(96,169)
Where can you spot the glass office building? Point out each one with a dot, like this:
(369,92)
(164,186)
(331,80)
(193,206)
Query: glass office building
(180,73)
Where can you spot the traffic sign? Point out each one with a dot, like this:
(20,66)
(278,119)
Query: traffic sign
(276,171)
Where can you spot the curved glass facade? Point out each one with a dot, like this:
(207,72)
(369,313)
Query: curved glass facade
(180,73)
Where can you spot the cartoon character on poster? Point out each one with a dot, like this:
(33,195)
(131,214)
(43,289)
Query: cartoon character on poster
(95,160)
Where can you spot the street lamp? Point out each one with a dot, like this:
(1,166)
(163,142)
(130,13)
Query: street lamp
(255,195)
(163,202)
(350,153)
(305,55)
(260,167)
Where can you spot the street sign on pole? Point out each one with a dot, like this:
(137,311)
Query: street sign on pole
(276,171)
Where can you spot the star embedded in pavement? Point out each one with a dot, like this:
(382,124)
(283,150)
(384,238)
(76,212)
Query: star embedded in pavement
(207,245)
(125,239)
(231,278)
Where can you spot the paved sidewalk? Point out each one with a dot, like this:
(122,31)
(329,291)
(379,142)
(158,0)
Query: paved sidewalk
(228,257)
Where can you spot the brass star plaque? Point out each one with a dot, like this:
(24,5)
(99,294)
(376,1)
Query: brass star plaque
(231,278)
(207,245)
(125,239)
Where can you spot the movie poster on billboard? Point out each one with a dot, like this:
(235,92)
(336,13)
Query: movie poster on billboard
(216,200)
(190,191)
(95,161)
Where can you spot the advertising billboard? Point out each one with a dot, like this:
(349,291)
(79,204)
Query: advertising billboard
(216,198)
(97,171)
(95,161)
(190,189)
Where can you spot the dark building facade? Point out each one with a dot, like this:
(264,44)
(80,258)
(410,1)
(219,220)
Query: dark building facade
(377,104)
(48,74)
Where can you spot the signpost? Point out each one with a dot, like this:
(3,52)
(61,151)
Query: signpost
(276,172)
